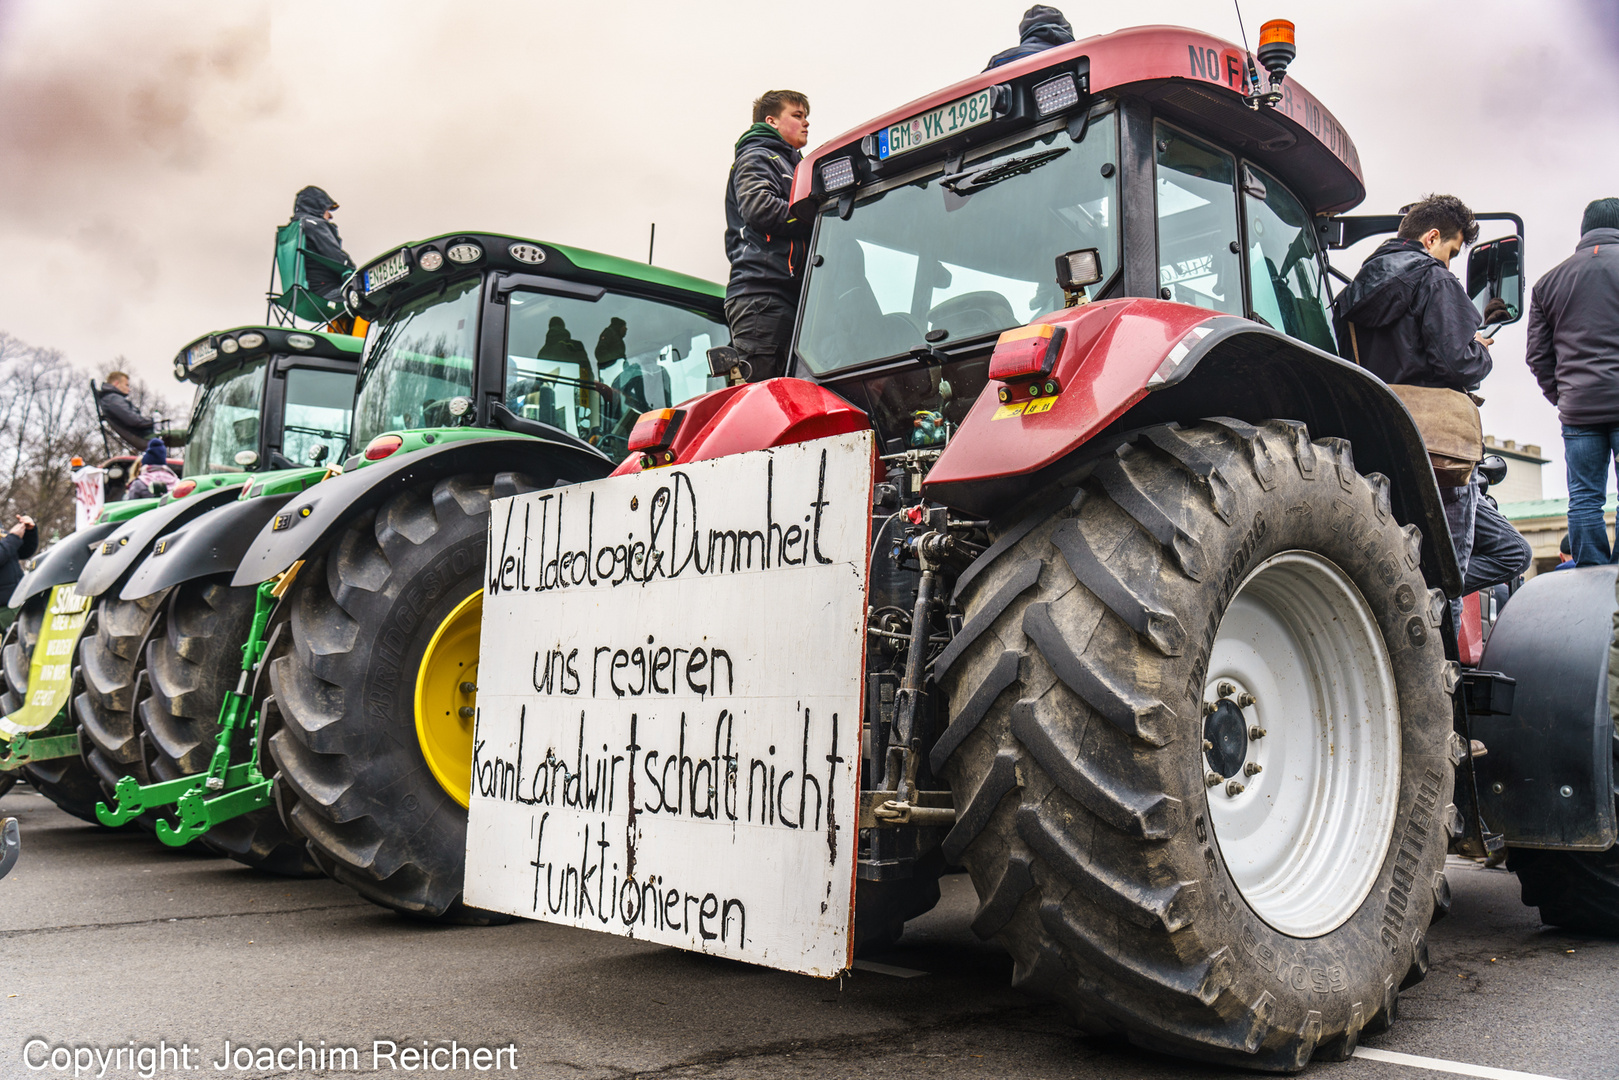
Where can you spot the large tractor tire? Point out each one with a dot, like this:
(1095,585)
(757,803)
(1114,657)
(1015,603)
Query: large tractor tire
(189,667)
(1207,600)
(374,757)
(112,661)
(16,650)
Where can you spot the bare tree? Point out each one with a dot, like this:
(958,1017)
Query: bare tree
(47,418)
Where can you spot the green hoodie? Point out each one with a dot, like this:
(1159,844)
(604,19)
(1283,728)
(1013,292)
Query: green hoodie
(761,128)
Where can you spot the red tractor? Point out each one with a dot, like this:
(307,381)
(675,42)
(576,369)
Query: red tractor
(1158,645)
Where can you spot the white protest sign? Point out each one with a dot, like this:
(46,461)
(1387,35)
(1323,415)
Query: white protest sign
(667,743)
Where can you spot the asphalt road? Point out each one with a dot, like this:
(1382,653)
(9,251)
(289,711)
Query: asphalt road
(112,941)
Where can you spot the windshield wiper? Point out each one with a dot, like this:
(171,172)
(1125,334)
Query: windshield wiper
(971,180)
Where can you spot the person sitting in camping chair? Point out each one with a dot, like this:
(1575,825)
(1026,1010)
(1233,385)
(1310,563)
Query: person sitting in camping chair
(330,265)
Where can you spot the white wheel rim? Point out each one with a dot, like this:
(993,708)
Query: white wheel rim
(1307,833)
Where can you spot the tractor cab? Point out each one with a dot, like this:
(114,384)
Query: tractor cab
(475,331)
(1150,157)
(267,398)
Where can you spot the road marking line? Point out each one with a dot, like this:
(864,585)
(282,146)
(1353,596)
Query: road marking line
(888,969)
(1460,1068)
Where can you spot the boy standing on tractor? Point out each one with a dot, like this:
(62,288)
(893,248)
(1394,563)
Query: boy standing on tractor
(1411,322)
(763,240)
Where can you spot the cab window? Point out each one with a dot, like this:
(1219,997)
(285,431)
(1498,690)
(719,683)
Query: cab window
(1284,267)
(1198,260)
(319,410)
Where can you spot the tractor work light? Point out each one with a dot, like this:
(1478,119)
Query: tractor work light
(1055,95)
(532,254)
(837,174)
(381,446)
(464,253)
(179,369)
(250,340)
(246,458)
(300,341)
(1077,269)
(228,345)
(430,260)
(654,434)
(1026,352)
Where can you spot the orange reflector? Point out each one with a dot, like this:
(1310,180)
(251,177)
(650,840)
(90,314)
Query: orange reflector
(381,446)
(656,428)
(1026,351)
(1274,31)
(184,488)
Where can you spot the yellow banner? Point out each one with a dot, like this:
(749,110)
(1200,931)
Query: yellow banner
(50,670)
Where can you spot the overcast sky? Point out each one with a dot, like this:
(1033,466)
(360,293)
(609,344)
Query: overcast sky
(149,150)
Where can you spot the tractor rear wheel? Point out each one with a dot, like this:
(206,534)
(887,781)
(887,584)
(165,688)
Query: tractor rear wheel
(14,659)
(1200,740)
(373,751)
(189,667)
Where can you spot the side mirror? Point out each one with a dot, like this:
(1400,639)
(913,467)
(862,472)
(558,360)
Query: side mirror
(1495,272)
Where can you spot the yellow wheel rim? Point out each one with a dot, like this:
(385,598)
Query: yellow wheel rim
(443,707)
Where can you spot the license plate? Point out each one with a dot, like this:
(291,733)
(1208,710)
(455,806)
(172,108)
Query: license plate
(386,272)
(200,354)
(936,124)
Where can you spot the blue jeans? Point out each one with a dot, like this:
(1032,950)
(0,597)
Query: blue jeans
(1588,450)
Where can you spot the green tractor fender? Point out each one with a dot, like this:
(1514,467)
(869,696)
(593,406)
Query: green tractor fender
(1548,779)
(121,548)
(62,563)
(211,544)
(307,520)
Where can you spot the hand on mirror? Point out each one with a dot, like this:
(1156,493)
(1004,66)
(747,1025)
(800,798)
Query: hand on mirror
(1484,341)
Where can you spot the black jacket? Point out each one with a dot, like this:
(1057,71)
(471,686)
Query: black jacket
(1413,321)
(320,236)
(125,420)
(1042,28)
(763,241)
(13,548)
(1574,332)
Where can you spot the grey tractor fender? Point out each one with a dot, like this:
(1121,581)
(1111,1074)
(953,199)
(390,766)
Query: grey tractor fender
(1548,779)
(1251,372)
(120,550)
(309,519)
(211,544)
(60,563)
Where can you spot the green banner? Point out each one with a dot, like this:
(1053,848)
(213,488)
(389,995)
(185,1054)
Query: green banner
(50,671)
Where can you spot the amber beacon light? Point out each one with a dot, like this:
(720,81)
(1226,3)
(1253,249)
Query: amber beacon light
(1276,49)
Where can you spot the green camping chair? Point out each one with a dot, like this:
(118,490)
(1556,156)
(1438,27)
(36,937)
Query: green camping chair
(296,301)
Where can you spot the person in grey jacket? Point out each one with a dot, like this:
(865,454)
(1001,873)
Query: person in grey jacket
(763,240)
(1574,352)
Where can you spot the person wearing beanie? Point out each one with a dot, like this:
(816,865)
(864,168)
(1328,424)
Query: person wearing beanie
(154,470)
(1041,28)
(1574,352)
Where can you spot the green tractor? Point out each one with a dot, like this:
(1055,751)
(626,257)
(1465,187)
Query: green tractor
(493,365)
(265,397)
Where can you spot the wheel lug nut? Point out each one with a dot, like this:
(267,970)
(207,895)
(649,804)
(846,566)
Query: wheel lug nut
(1225,689)
(1207,745)
(1244,700)
(468,712)
(1213,779)
(1253,768)
(1256,732)
(1209,708)
(469,688)
(1234,789)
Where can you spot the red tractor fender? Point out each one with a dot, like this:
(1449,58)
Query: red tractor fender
(755,416)
(1131,363)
